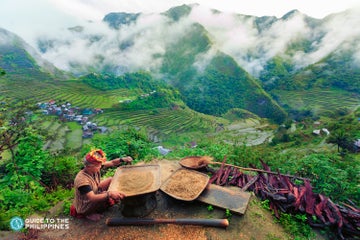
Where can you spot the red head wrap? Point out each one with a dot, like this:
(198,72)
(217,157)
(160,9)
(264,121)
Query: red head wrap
(96,156)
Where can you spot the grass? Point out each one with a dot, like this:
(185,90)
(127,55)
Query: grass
(60,138)
(73,136)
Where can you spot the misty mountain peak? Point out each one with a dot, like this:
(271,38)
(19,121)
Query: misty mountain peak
(291,14)
(178,12)
(115,20)
(7,37)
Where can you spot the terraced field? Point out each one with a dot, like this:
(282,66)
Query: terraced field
(159,125)
(164,121)
(77,93)
(319,101)
(73,138)
(158,122)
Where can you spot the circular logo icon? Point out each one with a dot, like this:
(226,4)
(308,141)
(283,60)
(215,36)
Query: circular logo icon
(16,223)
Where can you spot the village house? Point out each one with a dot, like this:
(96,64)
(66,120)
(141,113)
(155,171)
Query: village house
(98,111)
(125,101)
(87,134)
(316,132)
(102,129)
(325,131)
(357,145)
(68,113)
(162,150)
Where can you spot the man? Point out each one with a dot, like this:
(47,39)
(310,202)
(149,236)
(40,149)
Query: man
(91,195)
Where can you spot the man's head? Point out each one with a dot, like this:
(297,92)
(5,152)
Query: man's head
(96,156)
(92,167)
(94,159)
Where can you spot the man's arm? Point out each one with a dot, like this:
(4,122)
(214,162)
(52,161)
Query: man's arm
(112,163)
(104,196)
(117,161)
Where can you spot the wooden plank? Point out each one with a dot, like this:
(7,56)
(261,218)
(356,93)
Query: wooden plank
(231,198)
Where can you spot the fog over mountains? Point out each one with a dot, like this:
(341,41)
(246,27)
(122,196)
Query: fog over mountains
(141,40)
(217,61)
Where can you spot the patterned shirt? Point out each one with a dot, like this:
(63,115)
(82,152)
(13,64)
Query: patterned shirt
(81,201)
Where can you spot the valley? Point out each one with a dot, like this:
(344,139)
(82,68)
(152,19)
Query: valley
(163,124)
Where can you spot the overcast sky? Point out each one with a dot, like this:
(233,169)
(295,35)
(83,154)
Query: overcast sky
(26,17)
(314,8)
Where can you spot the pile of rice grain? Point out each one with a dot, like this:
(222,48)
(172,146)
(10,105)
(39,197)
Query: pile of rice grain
(186,184)
(135,182)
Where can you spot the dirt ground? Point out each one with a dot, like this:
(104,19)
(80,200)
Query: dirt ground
(256,223)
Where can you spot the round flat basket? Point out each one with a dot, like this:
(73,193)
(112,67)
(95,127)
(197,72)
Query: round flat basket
(185,184)
(195,162)
(136,180)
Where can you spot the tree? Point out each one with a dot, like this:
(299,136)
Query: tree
(341,138)
(13,126)
(14,130)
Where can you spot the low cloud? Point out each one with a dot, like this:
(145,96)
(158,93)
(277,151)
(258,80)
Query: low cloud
(94,45)
(340,31)
(79,46)
(238,36)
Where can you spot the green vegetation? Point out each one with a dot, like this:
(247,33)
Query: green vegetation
(275,74)
(79,94)
(296,225)
(139,80)
(162,121)
(157,99)
(212,94)
(73,136)
(176,13)
(219,85)
(337,70)
(317,102)
(15,59)
(33,179)
(29,172)
(228,214)
(115,20)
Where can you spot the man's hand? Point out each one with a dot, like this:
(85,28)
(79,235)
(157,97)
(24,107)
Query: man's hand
(117,161)
(127,159)
(116,195)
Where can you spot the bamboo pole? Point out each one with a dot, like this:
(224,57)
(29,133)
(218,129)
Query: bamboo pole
(258,170)
(181,221)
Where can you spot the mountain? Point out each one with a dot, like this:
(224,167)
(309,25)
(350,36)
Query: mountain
(336,70)
(218,61)
(262,46)
(331,42)
(221,85)
(115,20)
(18,58)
